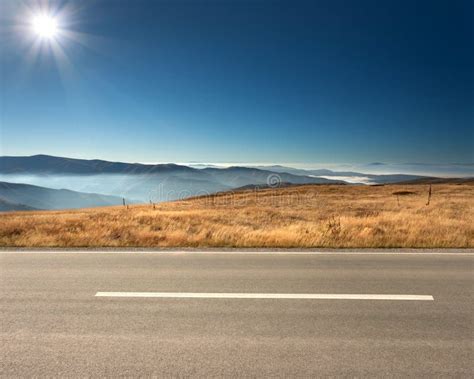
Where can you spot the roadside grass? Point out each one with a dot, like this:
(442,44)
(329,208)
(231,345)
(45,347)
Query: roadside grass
(334,216)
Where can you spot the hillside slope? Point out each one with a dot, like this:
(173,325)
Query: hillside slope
(16,196)
(6,206)
(295,216)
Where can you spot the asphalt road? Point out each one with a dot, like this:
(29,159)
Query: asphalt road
(52,324)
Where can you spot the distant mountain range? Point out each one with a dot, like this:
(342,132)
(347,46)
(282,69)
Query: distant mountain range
(347,176)
(160,182)
(15,196)
(47,164)
(88,183)
(454,170)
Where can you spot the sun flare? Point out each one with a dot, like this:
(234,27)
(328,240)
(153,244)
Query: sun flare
(45,26)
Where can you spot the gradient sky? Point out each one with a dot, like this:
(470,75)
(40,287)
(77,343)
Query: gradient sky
(243,81)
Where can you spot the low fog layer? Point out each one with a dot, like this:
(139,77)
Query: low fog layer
(166,182)
(135,188)
(157,187)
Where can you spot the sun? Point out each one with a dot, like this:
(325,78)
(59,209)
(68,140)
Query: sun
(45,26)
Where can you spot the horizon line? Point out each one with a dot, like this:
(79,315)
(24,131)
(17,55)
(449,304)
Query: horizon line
(263,163)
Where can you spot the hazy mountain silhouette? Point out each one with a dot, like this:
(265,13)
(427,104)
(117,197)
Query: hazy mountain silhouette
(16,196)
(351,176)
(46,164)
(6,206)
(144,182)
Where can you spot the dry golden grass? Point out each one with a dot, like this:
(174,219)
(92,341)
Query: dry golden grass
(303,216)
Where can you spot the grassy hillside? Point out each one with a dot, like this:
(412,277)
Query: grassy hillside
(301,216)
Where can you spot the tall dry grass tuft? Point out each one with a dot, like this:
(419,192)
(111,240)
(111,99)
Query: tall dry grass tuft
(303,216)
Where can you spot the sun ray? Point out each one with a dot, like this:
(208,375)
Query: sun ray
(42,26)
(50,31)
(66,69)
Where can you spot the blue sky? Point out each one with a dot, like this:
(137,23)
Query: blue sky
(242,81)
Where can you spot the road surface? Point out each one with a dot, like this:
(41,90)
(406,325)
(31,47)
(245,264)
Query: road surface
(236,314)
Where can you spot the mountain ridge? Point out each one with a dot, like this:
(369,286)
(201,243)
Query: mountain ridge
(160,182)
(20,196)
